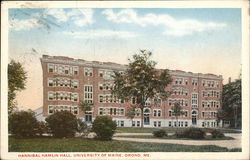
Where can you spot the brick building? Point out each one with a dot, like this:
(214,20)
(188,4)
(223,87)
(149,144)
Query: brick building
(67,81)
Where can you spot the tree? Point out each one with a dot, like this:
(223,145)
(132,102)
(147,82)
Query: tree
(177,111)
(62,124)
(141,81)
(104,127)
(23,124)
(16,82)
(231,103)
(84,106)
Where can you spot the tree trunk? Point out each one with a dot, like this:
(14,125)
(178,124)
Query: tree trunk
(142,117)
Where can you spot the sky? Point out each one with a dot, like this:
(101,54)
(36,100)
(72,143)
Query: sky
(200,40)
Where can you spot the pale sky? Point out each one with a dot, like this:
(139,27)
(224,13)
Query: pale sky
(197,40)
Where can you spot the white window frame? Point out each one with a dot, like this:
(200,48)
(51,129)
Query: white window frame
(88,93)
(89,71)
(194,99)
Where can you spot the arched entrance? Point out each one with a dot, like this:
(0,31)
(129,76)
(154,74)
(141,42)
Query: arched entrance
(194,117)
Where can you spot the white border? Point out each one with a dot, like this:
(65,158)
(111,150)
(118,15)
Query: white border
(243,4)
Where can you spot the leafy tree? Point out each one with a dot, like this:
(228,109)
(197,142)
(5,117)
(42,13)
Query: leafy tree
(142,81)
(177,111)
(16,82)
(231,103)
(84,106)
(104,127)
(62,124)
(23,124)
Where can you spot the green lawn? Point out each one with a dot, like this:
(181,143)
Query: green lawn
(168,130)
(173,137)
(49,144)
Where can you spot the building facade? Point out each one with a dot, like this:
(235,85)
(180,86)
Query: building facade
(67,81)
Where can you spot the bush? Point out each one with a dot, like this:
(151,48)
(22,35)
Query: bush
(82,128)
(104,127)
(180,134)
(193,133)
(217,134)
(62,124)
(42,128)
(23,124)
(160,133)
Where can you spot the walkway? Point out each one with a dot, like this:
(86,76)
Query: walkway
(235,143)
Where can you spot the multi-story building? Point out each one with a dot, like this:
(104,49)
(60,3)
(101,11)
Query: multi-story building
(67,81)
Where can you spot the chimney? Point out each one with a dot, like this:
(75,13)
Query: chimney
(229,80)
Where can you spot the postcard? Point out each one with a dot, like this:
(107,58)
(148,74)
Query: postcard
(125,80)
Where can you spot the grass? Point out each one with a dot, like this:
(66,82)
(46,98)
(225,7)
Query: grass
(50,144)
(173,137)
(168,130)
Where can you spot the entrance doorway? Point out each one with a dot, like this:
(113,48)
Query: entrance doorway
(194,118)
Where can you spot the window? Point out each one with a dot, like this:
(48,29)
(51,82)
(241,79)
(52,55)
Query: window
(133,123)
(101,98)
(51,111)
(50,82)
(169,113)
(51,68)
(155,123)
(133,100)
(75,97)
(194,82)
(159,113)
(75,70)
(137,111)
(203,114)
(170,102)
(169,123)
(203,83)
(88,71)
(101,111)
(75,110)
(88,117)
(148,102)
(51,96)
(159,123)
(185,113)
(121,111)
(216,84)
(101,73)
(186,81)
(157,101)
(138,123)
(155,113)
(122,123)
(88,93)
(146,119)
(66,69)
(186,124)
(194,100)
(75,83)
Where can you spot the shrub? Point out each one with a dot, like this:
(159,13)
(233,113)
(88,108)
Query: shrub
(82,128)
(180,134)
(160,133)
(194,133)
(104,127)
(217,134)
(62,124)
(23,124)
(42,128)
